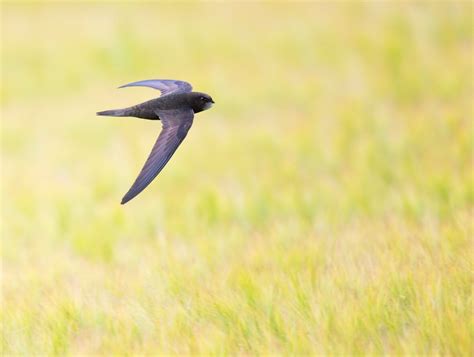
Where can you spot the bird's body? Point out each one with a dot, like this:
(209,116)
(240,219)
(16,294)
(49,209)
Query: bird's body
(149,109)
(175,108)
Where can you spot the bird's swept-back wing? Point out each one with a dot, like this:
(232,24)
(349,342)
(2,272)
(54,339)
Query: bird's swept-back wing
(176,124)
(165,86)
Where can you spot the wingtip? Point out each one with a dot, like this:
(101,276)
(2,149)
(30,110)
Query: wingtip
(132,84)
(126,198)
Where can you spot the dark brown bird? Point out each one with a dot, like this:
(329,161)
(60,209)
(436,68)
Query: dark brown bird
(175,108)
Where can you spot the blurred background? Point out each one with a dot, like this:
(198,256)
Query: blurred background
(323,205)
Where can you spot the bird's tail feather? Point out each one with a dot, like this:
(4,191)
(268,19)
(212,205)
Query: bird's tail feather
(115,112)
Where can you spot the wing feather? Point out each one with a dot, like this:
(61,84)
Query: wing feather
(165,86)
(176,124)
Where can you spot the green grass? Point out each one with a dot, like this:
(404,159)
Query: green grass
(323,206)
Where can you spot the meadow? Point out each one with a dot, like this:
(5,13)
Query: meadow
(324,205)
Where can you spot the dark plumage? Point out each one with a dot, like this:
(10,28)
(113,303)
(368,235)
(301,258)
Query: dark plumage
(175,108)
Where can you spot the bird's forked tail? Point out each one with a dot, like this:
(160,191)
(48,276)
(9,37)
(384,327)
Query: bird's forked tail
(115,112)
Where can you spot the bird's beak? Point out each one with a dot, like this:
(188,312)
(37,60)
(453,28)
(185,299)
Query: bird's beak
(212,101)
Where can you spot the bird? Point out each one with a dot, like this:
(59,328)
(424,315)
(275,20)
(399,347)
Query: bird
(175,107)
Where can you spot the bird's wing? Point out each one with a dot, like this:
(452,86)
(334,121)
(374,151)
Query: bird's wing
(176,124)
(165,86)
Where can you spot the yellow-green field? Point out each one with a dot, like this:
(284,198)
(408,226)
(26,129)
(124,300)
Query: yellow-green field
(323,206)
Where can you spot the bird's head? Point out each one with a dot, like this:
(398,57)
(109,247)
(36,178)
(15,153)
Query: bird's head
(200,101)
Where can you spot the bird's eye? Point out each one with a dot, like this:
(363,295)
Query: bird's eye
(203,99)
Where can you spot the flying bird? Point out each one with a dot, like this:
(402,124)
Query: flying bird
(175,108)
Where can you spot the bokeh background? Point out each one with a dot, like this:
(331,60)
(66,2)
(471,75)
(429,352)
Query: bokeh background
(324,205)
